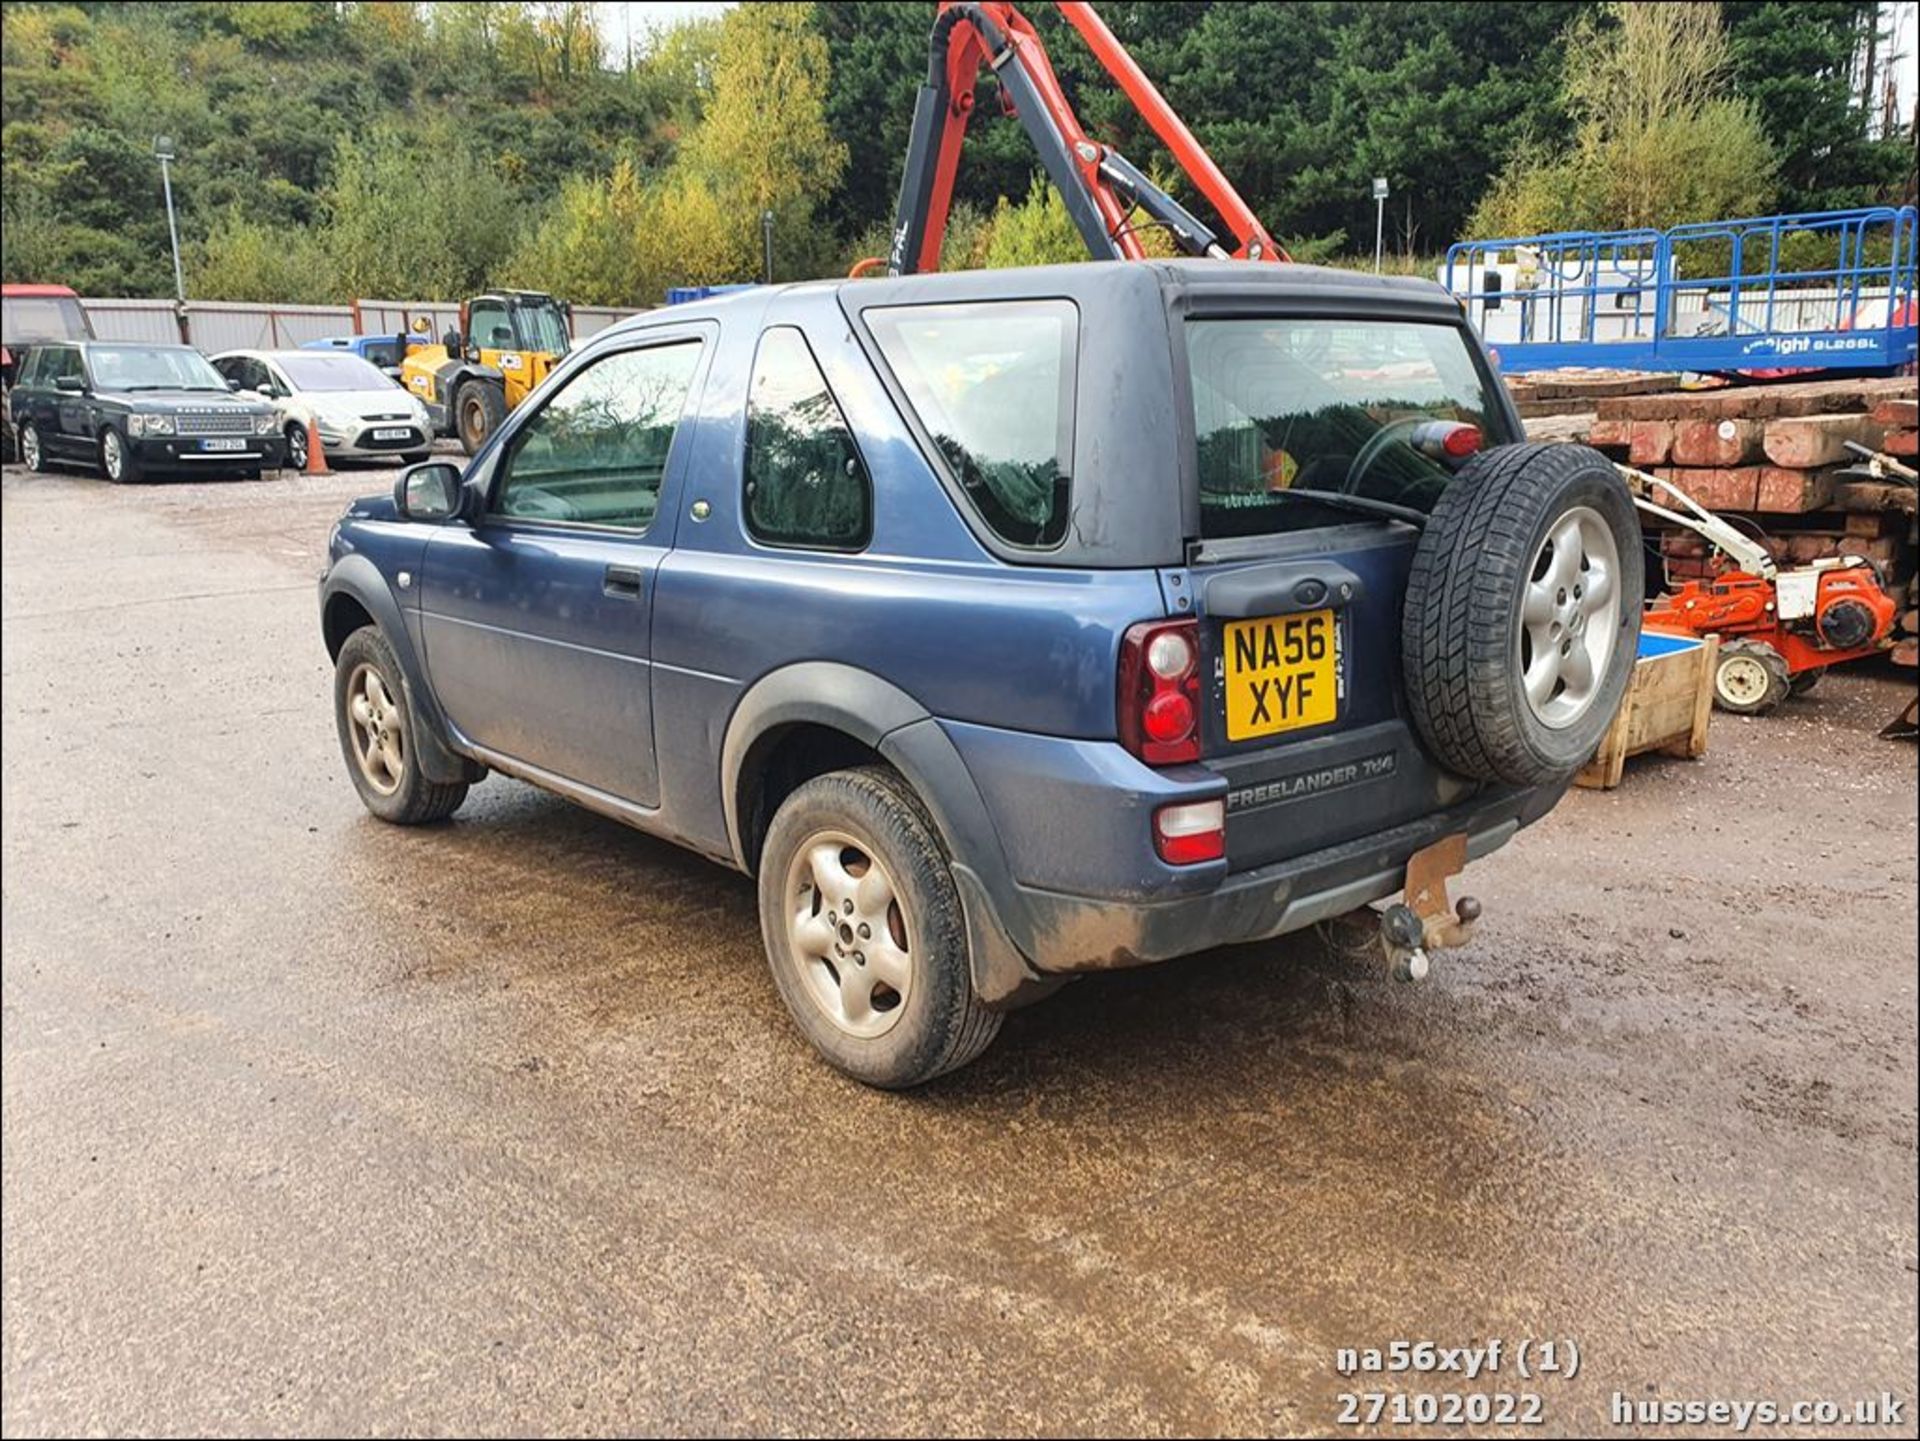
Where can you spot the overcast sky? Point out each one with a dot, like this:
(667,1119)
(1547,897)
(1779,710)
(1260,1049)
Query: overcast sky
(619,21)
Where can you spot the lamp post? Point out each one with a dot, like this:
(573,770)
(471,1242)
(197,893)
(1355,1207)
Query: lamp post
(163,152)
(766,246)
(1379,219)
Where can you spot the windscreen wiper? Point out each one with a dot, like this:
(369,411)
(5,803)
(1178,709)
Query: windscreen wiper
(1366,505)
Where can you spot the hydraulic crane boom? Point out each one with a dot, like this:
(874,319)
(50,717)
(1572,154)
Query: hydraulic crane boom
(1100,186)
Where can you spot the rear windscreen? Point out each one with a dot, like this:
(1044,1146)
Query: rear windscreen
(1325,405)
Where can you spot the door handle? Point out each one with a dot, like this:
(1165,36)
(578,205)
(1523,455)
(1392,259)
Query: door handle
(623,581)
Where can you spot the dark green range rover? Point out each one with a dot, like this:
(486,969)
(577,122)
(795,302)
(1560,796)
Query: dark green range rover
(138,410)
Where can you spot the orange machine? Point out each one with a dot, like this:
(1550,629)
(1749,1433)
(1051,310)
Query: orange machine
(1778,629)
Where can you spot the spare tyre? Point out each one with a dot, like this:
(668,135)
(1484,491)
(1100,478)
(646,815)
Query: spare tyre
(1523,613)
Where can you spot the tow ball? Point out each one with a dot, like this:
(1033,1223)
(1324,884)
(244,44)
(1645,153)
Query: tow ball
(1421,921)
(1405,937)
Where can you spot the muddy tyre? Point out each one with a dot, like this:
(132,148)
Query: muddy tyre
(377,725)
(1523,613)
(478,409)
(1749,677)
(865,934)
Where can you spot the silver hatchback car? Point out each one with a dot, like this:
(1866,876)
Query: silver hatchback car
(361,414)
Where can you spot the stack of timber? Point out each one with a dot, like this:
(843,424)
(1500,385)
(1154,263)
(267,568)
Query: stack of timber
(1772,457)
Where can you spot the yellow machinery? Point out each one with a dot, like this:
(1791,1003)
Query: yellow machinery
(504,346)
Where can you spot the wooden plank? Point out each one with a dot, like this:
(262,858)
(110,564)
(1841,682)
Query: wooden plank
(1651,443)
(1734,489)
(1610,434)
(1560,427)
(1781,491)
(1872,495)
(1897,414)
(1716,443)
(1803,442)
(1757,402)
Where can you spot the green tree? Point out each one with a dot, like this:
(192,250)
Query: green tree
(1037,231)
(1795,61)
(244,259)
(1660,139)
(763,143)
(416,218)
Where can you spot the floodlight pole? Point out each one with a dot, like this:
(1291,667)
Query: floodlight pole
(163,152)
(1379,219)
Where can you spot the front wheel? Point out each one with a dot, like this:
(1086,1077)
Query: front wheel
(117,459)
(296,447)
(865,934)
(478,409)
(377,727)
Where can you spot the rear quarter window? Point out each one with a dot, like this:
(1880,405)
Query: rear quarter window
(992,384)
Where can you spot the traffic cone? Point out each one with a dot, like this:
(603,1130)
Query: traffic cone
(316,454)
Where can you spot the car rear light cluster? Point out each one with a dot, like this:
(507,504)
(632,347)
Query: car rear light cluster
(1159,718)
(1453,440)
(1190,832)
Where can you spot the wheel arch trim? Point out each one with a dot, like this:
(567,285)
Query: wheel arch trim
(356,578)
(886,719)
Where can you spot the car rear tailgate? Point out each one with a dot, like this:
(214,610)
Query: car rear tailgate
(1302,707)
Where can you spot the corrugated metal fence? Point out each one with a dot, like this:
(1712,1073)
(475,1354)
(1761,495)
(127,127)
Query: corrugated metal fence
(217,325)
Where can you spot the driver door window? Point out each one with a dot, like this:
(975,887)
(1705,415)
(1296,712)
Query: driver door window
(488,326)
(597,451)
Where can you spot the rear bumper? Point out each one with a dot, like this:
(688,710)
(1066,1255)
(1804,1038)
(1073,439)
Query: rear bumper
(1070,933)
(1059,874)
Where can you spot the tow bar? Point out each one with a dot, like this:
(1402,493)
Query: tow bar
(1421,921)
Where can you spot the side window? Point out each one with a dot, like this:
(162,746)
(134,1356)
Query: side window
(597,451)
(993,383)
(806,484)
(491,330)
(62,361)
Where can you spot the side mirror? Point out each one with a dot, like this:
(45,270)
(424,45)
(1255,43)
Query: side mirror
(428,492)
(70,385)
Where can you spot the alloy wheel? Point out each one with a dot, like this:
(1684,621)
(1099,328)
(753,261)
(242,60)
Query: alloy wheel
(849,934)
(378,726)
(1570,617)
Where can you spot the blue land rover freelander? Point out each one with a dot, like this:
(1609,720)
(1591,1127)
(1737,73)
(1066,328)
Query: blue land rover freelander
(1007,625)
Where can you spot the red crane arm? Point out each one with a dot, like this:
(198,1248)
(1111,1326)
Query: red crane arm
(1100,187)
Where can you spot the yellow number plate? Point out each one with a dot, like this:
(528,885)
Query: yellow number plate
(1283,673)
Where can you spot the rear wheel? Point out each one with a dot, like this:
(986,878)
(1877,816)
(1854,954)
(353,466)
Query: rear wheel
(117,459)
(31,450)
(478,409)
(1750,677)
(377,727)
(865,934)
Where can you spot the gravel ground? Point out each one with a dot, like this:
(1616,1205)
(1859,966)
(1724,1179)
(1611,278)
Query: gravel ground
(315,1125)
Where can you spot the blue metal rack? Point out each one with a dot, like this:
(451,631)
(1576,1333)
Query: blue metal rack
(1832,291)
